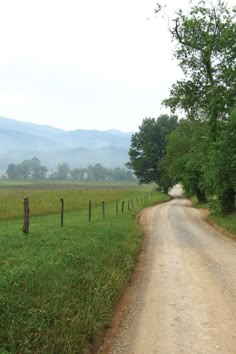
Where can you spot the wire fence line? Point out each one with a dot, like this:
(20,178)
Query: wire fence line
(115,208)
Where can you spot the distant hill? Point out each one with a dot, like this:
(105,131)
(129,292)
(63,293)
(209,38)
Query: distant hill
(78,148)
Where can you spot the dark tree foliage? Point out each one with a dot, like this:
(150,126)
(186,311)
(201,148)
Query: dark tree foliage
(206,53)
(148,147)
(185,158)
(205,48)
(220,170)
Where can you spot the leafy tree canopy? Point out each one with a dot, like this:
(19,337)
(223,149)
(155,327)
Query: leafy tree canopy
(27,169)
(186,155)
(206,53)
(205,49)
(148,147)
(220,166)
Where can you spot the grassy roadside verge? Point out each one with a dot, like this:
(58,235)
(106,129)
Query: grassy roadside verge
(227,222)
(58,285)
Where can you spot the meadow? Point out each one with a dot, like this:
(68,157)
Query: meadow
(45,198)
(59,284)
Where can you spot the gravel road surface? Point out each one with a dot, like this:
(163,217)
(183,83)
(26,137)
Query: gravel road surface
(183,295)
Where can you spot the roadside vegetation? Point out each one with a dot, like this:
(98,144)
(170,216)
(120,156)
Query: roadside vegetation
(58,285)
(198,150)
(226,222)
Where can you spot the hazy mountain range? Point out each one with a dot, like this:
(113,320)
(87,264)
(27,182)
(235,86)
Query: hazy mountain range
(79,148)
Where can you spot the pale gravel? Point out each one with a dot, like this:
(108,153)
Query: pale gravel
(184,297)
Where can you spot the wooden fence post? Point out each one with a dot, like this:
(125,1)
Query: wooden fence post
(62,212)
(128,204)
(103,210)
(25,228)
(123,206)
(117,207)
(90,210)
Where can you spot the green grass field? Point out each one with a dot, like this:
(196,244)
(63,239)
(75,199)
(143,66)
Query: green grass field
(58,285)
(45,198)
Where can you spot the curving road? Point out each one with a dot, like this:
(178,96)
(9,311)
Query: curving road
(183,298)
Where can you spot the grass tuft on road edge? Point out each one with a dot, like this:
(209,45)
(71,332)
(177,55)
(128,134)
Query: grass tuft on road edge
(227,222)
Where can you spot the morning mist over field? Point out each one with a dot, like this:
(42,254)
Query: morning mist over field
(52,146)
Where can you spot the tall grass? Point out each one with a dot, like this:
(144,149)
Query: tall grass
(58,285)
(45,198)
(227,222)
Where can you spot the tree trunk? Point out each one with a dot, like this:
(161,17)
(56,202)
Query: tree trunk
(165,189)
(201,196)
(227,201)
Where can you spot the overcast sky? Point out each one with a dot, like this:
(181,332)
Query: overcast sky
(84,64)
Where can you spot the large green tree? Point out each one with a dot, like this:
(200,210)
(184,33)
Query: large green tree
(185,158)
(220,169)
(206,53)
(26,170)
(14,172)
(63,170)
(148,147)
(38,170)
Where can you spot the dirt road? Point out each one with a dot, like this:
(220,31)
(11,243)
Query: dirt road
(183,299)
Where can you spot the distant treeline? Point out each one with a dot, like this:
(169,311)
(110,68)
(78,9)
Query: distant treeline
(34,170)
